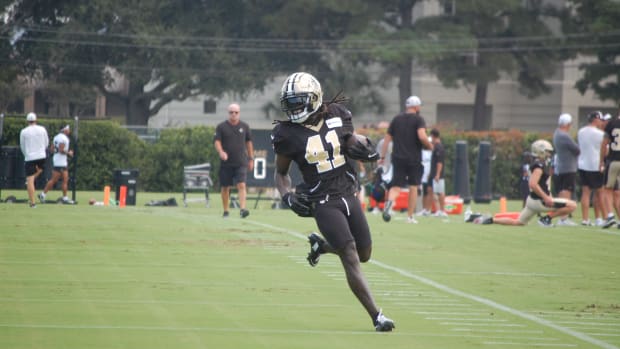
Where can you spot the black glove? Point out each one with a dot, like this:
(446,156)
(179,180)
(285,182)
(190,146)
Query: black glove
(299,204)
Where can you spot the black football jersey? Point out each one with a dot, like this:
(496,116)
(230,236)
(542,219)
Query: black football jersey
(544,178)
(318,151)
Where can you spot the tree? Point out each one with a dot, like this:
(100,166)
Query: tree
(599,19)
(146,54)
(476,45)
(467,43)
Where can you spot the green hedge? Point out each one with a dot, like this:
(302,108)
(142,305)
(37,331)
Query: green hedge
(105,146)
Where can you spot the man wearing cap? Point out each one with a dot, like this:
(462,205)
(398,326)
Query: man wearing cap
(61,164)
(33,141)
(407,131)
(589,138)
(565,171)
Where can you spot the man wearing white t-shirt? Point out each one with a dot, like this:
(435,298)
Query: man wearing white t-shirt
(590,138)
(33,141)
(61,164)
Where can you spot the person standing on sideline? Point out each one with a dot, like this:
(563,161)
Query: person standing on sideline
(610,168)
(33,141)
(319,137)
(567,151)
(590,138)
(233,143)
(427,186)
(437,172)
(408,132)
(61,164)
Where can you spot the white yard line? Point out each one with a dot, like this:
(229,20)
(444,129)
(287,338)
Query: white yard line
(544,322)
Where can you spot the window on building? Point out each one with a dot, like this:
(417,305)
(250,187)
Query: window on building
(209,106)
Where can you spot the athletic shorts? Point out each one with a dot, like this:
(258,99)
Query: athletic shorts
(60,169)
(33,166)
(565,181)
(536,206)
(439,187)
(231,175)
(427,189)
(406,174)
(342,221)
(612,171)
(591,179)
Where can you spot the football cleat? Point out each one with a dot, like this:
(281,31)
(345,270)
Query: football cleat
(42,198)
(383,323)
(244,213)
(545,221)
(316,248)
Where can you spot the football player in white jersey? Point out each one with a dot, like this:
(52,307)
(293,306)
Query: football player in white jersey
(61,153)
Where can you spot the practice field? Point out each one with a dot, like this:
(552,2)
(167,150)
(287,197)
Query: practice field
(174,277)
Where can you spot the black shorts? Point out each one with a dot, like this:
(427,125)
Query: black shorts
(232,175)
(60,169)
(427,188)
(565,181)
(591,179)
(406,173)
(341,221)
(33,166)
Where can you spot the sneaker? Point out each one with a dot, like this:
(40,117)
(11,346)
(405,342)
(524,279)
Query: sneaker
(470,217)
(599,222)
(545,221)
(566,222)
(423,213)
(440,214)
(226,214)
(244,213)
(33,205)
(586,223)
(609,222)
(411,220)
(316,248)
(67,201)
(481,219)
(383,324)
(42,198)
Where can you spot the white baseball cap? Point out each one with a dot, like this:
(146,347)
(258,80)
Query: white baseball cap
(606,117)
(413,101)
(565,119)
(31,117)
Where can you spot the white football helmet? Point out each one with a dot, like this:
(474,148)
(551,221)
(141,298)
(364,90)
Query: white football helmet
(542,149)
(301,96)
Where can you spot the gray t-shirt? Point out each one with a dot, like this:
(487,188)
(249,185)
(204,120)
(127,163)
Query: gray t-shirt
(567,151)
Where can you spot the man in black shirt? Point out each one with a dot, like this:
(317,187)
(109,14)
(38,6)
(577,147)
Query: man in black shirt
(436,177)
(233,143)
(319,137)
(408,133)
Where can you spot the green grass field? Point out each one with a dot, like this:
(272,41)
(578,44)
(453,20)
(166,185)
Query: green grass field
(174,277)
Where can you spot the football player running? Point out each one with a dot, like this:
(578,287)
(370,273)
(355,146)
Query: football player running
(319,137)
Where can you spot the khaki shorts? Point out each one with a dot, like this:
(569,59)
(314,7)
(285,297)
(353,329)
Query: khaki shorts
(536,206)
(612,173)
